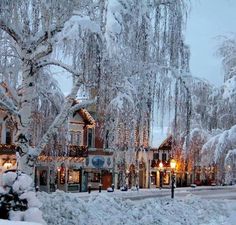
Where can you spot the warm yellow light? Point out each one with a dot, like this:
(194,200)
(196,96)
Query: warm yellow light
(172,164)
(7,165)
(161,165)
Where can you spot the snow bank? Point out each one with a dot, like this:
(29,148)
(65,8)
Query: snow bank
(105,209)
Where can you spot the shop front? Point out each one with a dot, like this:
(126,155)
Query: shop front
(98,171)
(66,176)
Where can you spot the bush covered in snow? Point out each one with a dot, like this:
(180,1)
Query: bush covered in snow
(18,200)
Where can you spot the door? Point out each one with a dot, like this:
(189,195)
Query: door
(106,180)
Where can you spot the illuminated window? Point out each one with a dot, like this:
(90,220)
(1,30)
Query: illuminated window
(74,176)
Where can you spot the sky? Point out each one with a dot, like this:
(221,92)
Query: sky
(208,19)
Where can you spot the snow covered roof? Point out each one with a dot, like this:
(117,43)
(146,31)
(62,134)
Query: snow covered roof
(87,117)
(159,136)
(166,144)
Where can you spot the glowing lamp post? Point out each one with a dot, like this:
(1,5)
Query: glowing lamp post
(172,166)
(160,169)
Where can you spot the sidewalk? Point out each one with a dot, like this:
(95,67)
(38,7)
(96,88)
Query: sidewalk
(149,193)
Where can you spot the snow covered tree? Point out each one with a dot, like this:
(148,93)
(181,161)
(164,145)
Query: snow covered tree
(30,30)
(124,52)
(145,40)
(219,146)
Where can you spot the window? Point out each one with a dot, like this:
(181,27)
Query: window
(73,176)
(163,156)
(90,138)
(156,155)
(107,139)
(94,177)
(71,137)
(74,138)
(8,137)
(78,138)
(153,178)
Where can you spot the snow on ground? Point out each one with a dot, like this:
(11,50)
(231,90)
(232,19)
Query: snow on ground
(7,222)
(231,209)
(105,209)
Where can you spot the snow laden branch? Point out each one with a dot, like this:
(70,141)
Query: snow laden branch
(59,64)
(45,35)
(81,105)
(61,117)
(10,31)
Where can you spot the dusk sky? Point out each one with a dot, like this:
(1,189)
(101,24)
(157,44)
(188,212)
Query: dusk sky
(209,19)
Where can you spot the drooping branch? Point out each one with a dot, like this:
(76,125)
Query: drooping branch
(42,37)
(10,31)
(59,120)
(59,64)
(8,108)
(42,51)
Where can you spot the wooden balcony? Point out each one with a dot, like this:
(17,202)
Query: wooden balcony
(7,149)
(77,151)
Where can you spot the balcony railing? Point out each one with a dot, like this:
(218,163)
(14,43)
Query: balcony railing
(77,151)
(7,149)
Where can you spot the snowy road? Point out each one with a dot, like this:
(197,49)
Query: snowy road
(206,192)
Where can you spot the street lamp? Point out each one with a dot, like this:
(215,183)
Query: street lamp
(160,169)
(172,166)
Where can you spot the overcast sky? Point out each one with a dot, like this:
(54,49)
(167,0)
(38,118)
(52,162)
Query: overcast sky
(207,20)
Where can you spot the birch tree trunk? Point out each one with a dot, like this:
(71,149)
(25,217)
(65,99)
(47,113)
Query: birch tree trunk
(25,113)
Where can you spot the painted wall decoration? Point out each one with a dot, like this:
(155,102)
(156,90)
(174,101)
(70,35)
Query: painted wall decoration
(109,161)
(87,161)
(98,161)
